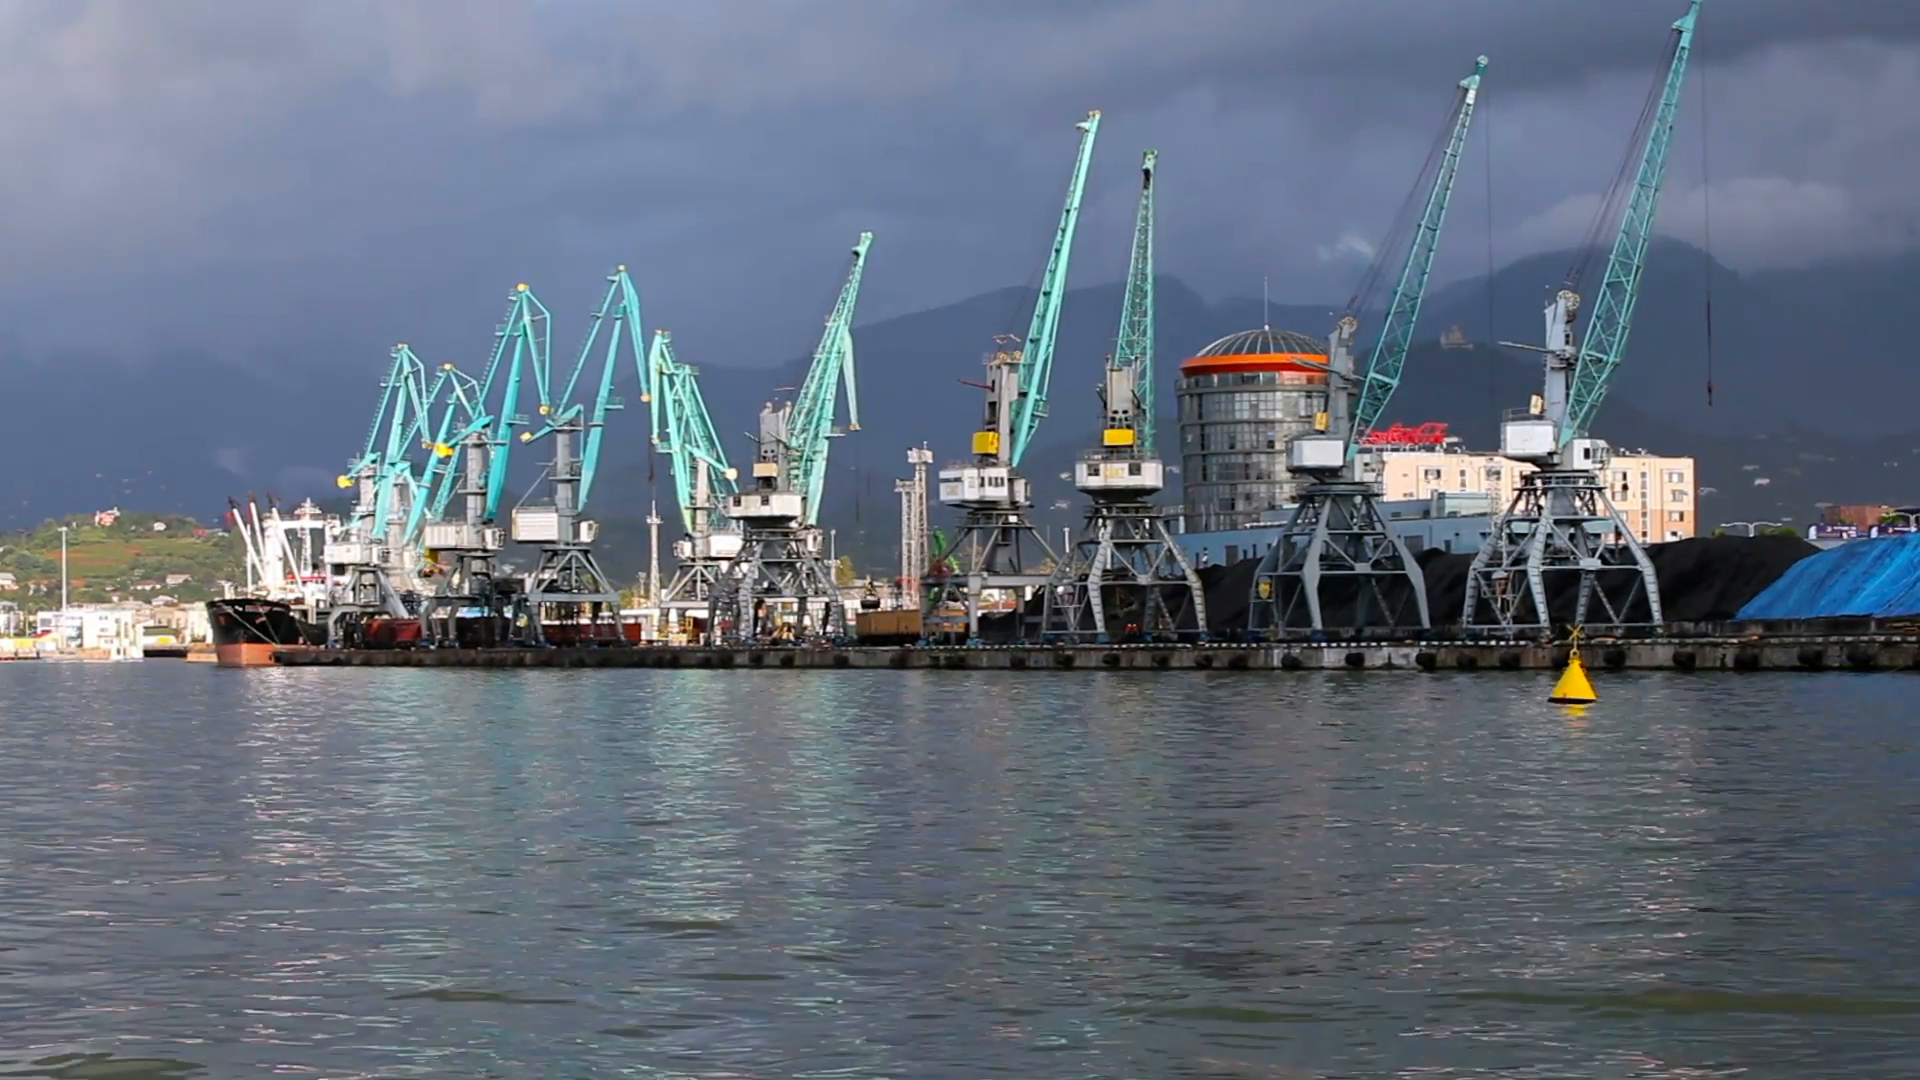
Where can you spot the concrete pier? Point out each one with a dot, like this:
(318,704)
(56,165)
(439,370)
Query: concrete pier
(1876,652)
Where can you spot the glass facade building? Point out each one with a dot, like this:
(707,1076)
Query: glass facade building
(1241,399)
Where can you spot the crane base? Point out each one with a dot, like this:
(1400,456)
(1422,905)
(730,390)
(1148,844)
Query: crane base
(1335,567)
(779,588)
(571,597)
(994,549)
(1126,580)
(1560,554)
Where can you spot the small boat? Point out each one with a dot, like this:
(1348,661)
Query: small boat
(248,631)
(161,642)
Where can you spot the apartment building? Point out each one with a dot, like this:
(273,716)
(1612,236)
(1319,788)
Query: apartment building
(1654,494)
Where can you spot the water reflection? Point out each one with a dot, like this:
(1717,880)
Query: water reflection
(395,873)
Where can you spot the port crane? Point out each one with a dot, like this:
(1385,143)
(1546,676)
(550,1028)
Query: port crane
(371,569)
(703,481)
(567,593)
(1335,564)
(1561,523)
(997,546)
(780,583)
(464,552)
(1126,577)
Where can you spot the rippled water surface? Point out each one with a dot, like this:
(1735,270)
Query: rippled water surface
(953,875)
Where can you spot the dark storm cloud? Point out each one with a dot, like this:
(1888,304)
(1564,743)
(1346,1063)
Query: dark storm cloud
(355,171)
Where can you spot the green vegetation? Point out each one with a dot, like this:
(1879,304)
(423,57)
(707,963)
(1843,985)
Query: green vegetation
(131,556)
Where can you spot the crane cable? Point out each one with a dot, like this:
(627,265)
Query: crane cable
(1706,215)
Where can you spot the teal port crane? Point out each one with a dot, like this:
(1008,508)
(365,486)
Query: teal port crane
(996,545)
(476,423)
(1336,565)
(1561,522)
(370,568)
(703,482)
(1126,579)
(571,598)
(780,582)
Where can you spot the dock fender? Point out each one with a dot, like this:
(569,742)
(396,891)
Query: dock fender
(1111,659)
(1509,660)
(1425,660)
(1063,659)
(1238,662)
(1161,660)
(1356,660)
(1290,662)
(1203,660)
(1017,661)
(1685,659)
(1862,658)
(1812,657)
(1466,661)
(841,659)
(1746,660)
(1614,659)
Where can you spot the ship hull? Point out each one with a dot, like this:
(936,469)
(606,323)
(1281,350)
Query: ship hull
(248,632)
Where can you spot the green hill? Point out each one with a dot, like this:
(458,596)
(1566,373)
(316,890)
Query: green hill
(131,556)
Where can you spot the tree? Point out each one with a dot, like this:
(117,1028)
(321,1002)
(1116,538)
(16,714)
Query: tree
(843,571)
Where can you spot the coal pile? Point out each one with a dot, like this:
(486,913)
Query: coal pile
(1710,578)
(1228,589)
(1705,579)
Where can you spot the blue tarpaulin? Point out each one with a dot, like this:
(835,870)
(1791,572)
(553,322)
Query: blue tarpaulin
(1878,578)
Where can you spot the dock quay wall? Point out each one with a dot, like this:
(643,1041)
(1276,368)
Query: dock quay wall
(1811,653)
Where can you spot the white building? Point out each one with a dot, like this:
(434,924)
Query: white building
(1654,494)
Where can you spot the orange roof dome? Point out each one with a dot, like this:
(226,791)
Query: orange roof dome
(1265,349)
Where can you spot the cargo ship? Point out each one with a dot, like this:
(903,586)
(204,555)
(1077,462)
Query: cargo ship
(247,631)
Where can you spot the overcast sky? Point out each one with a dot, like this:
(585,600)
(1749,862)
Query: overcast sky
(250,177)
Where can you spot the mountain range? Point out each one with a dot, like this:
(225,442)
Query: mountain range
(1810,393)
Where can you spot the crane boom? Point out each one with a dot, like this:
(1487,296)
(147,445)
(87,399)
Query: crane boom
(1606,337)
(1036,355)
(689,438)
(521,341)
(810,428)
(458,397)
(1133,348)
(1389,357)
(619,316)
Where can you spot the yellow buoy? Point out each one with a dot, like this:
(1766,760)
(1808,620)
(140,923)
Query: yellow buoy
(1574,688)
